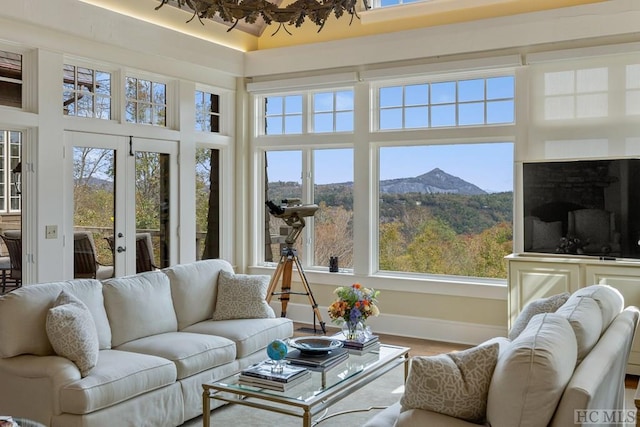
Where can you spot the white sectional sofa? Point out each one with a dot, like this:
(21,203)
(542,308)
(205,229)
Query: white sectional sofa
(567,360)
(157,340)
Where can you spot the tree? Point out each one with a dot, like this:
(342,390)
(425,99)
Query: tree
(333,235)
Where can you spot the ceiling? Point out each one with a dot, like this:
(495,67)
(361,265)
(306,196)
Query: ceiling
(258,36)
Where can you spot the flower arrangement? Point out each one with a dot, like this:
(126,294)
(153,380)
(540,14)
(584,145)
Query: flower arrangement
(355,304)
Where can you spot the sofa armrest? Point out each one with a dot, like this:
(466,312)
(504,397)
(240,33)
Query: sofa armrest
(27,379)
(598,382)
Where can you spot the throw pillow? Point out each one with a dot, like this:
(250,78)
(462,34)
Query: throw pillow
(242,296)
(72,332)
(538,306)
(546,235)
(454,384)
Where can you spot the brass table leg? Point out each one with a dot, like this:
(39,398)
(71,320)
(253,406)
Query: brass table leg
(206,408)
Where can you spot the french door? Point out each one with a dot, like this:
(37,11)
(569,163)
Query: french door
(123,191)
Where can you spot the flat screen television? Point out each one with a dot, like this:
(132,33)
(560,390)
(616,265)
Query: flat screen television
(586,207)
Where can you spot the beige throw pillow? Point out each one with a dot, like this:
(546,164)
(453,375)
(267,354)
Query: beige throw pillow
(242,296)
(72,332)
(454,384)
(538,306)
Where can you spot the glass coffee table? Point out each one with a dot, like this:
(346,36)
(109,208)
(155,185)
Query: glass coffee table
(319,392)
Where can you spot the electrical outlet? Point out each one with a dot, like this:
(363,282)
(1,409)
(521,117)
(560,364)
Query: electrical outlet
(51,232)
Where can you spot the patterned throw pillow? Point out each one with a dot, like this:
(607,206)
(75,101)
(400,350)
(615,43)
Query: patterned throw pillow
(242,296)
(72,332)
(538,306)
(454,384)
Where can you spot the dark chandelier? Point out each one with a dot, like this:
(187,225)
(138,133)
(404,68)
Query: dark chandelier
(317,11)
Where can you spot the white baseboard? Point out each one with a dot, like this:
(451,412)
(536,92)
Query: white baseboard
(405,326)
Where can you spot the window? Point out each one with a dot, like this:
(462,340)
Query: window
(207,112)
(327,111)
(331,226)
(333,111)
(446,209)
(283,180)
(207,203)
(283,115)
(438,205)
(86,92)
(11,145)
(10,79)
(146,102)
(333,193)
(447,104)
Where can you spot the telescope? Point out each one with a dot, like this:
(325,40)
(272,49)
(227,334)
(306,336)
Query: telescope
(293,213)
(291,208)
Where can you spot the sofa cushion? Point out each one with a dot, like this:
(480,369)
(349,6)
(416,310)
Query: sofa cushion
(537,306)
(72,332)
(454,384)
(586,320)
(249,335)
(191,353)
(610,301)
(194,289)
(118,376)
(242,296)
(23,314)
(139,306)
(531,375)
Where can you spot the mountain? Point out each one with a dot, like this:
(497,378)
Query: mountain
(434,181)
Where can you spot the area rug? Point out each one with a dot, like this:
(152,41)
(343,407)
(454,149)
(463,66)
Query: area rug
(383,391)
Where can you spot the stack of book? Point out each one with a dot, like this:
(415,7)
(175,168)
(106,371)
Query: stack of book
(260,375)
(317,362)
(359,347)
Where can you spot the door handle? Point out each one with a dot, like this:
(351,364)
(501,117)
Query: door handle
(121,249)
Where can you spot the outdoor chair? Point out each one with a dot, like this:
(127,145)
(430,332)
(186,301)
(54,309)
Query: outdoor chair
(85,261)
(144,252)
(13,242)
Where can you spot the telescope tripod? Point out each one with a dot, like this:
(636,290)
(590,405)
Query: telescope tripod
(285,267)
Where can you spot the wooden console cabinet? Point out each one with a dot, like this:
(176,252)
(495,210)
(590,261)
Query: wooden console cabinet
(534,276)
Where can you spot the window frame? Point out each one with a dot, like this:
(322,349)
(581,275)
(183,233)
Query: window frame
(307,114)
(168,95)
(24,65)
(366,141)
(113,95)
(436,79)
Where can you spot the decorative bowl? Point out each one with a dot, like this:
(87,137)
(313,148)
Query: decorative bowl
(315,346)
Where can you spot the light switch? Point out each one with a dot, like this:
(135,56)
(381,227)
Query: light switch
(51,232)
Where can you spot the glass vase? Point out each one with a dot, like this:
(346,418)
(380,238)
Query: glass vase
(353,330)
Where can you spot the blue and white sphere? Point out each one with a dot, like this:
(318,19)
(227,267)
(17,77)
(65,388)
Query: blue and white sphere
(277,350)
